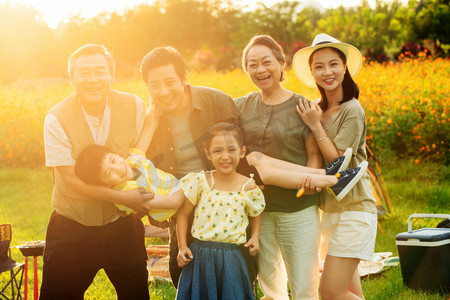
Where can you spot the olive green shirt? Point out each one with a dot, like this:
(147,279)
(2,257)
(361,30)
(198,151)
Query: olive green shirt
(347,129)
(209,106)
(277,131)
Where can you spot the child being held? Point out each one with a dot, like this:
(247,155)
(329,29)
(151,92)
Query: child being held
(97,165)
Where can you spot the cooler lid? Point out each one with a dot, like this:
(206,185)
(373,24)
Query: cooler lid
(425,235)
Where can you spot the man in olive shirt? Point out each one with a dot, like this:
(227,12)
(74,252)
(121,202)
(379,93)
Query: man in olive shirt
(182,118)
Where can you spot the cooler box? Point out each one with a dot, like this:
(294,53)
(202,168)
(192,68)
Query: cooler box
(425,256)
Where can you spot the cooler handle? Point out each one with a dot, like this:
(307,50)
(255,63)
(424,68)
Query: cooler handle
(415,216)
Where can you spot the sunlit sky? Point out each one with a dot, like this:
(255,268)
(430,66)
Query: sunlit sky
(55,11)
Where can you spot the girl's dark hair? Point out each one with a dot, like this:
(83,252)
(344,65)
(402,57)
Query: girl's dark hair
(223,128)
(349,86)
(88,165)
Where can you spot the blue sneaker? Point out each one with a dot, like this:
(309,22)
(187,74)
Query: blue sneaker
(347,180)
(339,164)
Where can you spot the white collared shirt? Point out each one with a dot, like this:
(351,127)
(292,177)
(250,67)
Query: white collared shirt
(58,149)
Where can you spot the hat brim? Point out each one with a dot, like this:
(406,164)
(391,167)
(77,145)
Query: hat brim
(302,69)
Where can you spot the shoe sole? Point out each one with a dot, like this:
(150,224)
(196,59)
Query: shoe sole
(347,157)
(354,181)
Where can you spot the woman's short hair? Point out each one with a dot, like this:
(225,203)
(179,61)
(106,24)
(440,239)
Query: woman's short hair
(269,42)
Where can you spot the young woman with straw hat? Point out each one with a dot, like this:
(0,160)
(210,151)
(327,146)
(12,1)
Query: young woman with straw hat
(338,122)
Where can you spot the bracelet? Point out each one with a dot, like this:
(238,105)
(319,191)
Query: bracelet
(321,139)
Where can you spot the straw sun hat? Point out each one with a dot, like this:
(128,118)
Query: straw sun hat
(301,58)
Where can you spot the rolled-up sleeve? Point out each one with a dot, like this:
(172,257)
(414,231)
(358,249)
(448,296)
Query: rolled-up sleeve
(351,132)
(58,150)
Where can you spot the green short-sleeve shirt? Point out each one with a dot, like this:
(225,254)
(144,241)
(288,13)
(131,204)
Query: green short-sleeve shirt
(347,129)
(277,131)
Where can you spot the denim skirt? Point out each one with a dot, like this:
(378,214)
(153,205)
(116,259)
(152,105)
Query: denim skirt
(217,271)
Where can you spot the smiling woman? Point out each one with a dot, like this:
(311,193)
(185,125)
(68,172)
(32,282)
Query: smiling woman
(328,69)
(338,121)
(281,134)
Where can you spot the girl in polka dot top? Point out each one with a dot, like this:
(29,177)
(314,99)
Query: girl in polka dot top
(214,267)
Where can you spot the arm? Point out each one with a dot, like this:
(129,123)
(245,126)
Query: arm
(311,114)
(169,195)
(58,154)
(312,151)
(150,125)
(314,161)
(228,111)
(255,226)
(185,254)
(329,150)
(174,201)
(133,199)
(253,242)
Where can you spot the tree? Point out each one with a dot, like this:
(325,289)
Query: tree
(25,43)
(278,21)
(433,21)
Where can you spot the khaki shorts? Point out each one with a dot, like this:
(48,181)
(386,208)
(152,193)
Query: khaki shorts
(349,234)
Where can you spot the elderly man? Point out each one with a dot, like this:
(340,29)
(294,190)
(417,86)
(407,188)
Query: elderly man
(86,231)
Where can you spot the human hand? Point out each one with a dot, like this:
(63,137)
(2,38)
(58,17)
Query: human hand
(309,187)
(184,256)
(252,245)
(309,112)
(138,200)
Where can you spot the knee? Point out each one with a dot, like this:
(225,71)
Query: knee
(328,293)
(255,158)
(251,158)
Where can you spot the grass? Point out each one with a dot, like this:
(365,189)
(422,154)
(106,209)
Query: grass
(25,203)
(410,120)
(413,189)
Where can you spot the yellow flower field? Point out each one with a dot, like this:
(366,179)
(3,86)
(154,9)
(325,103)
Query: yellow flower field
(406,104)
